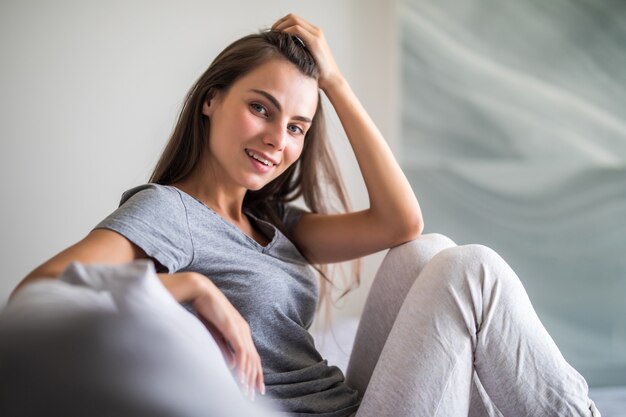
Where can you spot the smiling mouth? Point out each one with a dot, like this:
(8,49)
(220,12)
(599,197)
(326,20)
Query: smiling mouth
(259,158)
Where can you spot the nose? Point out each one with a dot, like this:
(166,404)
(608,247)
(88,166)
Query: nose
(276,136)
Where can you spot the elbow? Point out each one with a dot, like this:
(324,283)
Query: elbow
(419,228)
(412,223)
(409,229)
(414,228)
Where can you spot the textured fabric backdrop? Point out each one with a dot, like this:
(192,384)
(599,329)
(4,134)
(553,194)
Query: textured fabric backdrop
(514,135)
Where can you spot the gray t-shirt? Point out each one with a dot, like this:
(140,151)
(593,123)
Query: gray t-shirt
(273,287)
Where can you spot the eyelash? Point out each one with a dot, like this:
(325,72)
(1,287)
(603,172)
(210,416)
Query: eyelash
(259,108)
(255,107)
(300,131)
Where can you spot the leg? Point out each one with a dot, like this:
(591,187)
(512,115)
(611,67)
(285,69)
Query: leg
(468,313)
(393,280)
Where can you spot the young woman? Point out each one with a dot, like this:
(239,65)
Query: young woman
(447,330)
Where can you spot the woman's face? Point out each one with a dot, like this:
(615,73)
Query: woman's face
(258,125)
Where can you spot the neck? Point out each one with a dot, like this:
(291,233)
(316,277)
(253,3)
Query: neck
(224,199)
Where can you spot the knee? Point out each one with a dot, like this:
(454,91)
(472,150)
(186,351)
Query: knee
(403,263)
(412,256)
(472,263)
(425,245)
(436,240)
(476,254)
(466,255)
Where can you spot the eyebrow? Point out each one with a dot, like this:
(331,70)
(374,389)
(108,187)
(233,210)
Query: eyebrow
(277,104)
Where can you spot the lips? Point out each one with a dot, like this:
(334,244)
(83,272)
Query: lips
(260,157)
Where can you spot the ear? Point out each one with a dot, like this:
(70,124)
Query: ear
(209,103)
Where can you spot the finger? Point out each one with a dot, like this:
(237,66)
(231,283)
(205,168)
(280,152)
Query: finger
(279,21)
(306,37)
(252,384)
(241,365)
(284,26)
(293,20)
(254,370)
(251,377)
(281,25)
(249,364)
(288,19)
(259,383)
(251,368)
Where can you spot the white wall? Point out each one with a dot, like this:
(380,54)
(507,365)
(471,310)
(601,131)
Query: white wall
(91,90)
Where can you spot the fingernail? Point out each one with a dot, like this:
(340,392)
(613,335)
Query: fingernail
(262,389)
(253,394)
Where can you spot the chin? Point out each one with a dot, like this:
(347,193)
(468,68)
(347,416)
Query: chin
(257,188)
(256,185)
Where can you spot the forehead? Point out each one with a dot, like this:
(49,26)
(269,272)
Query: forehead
(295,91)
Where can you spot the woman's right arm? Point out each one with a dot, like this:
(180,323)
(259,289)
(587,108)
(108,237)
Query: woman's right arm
(229,329)
(99,246)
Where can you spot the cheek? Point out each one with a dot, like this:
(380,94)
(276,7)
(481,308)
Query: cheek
(247,125)
(293,152)
(237,125)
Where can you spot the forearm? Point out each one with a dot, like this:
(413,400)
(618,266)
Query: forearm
(184,286)
(391,197)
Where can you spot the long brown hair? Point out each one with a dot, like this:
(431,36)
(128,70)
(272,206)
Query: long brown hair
(314,176)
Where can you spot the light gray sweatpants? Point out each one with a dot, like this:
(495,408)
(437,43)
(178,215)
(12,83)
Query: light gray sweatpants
(449,331)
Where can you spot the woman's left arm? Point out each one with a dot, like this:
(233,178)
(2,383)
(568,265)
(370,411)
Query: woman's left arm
(394,215)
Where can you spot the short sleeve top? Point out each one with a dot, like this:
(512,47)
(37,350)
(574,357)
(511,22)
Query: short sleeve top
(273,287)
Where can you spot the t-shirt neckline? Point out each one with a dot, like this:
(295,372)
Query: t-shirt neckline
(250,216)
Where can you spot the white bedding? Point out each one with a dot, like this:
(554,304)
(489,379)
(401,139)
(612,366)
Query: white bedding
(110,340)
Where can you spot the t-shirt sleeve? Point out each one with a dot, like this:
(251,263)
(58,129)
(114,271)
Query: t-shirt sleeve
(154,218)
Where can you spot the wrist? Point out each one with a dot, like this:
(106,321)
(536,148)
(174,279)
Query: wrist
(195,286)
(332,83)
(202,288)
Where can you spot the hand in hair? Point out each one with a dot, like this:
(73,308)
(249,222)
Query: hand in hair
(394,215)
(315,43)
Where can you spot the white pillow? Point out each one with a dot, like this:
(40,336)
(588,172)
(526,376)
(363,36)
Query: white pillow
(107,340)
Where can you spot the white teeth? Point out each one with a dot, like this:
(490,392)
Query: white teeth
(258,158)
